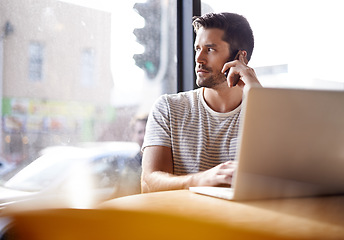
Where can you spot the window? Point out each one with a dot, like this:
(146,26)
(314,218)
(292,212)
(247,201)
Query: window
(93,66)
(36,61)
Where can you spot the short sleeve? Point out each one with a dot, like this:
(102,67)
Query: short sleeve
(158,128)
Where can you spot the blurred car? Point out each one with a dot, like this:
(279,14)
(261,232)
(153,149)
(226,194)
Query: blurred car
(5,167)
(77,176)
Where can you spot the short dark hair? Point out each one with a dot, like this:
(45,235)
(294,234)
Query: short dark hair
(237,30)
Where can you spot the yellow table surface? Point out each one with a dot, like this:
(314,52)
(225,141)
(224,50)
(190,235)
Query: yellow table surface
(293,218)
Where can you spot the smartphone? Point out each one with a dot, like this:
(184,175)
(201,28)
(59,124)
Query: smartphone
(232,59)
(237,76)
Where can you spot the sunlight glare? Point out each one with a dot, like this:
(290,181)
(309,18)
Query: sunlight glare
(80,187)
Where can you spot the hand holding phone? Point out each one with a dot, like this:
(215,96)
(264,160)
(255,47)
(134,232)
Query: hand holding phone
(230,59)
(236,77)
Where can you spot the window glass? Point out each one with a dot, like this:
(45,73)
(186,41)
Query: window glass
(297,43)
(77,71)
(35,61)
(87,67)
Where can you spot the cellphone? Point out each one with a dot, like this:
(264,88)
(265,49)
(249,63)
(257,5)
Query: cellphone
(237,76)
(232,59)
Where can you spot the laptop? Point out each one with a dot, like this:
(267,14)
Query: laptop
(291,144)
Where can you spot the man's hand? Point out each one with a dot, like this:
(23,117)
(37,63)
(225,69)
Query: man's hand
(220,175)
(240,74)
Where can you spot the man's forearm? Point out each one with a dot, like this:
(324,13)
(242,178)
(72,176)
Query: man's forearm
(220,175)
(162,181)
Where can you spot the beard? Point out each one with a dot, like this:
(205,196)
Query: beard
(213,80)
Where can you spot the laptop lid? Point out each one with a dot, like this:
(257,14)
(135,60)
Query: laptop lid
(291,144)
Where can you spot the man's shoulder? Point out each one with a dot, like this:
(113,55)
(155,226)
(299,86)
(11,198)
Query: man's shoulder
(182,96)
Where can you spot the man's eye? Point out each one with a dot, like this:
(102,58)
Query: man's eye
(211,49)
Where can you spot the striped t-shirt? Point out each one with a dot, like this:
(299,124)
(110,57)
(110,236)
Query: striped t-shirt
(199,137)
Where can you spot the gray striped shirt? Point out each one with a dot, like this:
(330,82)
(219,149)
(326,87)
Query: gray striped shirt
(200,138)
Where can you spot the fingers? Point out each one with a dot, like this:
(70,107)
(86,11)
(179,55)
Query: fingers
(225,172)
(228,164)
(240,74)
(240,57)
(235,68)
(220,174)
(225,178)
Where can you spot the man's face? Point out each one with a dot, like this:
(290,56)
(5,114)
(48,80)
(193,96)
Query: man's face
(211,54)
(139,132)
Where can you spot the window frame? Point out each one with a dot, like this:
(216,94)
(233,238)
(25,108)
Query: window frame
(186,10)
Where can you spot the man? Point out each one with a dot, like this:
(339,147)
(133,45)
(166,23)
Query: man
(129,182)
(191,136)
(138,132)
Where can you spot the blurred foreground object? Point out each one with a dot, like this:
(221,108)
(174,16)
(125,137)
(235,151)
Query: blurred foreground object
(77,224)
(72,176)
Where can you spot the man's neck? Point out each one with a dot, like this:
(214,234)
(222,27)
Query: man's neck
(223,99)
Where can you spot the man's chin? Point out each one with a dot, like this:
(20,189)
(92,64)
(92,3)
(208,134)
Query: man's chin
(200,83)
(208,82)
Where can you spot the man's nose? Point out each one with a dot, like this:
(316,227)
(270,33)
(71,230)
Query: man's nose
(200,57)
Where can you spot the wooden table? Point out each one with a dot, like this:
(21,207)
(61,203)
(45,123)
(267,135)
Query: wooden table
(297,218)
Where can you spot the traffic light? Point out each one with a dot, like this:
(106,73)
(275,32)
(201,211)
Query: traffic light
(149,36)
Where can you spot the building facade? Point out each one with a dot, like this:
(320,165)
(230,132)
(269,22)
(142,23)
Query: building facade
(55,72)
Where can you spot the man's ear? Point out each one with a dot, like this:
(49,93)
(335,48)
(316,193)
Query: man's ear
(245,56)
